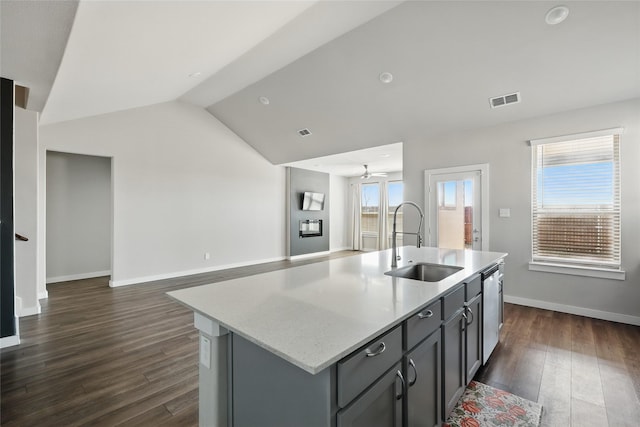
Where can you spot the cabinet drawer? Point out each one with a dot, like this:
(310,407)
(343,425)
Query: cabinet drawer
(360,369)
(423,324)
(453,302)
(474,287)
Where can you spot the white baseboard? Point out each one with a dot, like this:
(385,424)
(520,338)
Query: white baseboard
(9,341)
(144,279)
(29,311)
(311,255)
(78,276)
(26,311)
(43,295)
(581,311)
(344,248)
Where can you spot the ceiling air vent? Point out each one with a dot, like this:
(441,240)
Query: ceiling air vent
(503,100)
(304,132)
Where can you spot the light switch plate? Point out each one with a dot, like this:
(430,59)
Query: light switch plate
(205,351)
(505,212)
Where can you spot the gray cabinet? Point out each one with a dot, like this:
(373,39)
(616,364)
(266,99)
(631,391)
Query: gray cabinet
(379,406)
(473,333)
(423,369)
(371,385)
(412,375)
(501,295)
(461,341)
(453,361)
(361,369)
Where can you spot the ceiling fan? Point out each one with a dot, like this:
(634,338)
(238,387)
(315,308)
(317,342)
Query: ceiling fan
(367,174)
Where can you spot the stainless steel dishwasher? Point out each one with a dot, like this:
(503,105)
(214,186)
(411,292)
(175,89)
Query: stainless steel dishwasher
(491,306)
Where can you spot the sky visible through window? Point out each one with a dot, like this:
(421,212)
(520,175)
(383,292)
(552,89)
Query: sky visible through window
(449,193)
(585,185)
(371,194)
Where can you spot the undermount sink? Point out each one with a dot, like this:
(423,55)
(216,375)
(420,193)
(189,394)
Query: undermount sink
(424,271)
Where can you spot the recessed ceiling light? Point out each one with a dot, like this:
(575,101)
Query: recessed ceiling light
(385,155)
(556,15)
(264,100)
(196,74)
(386,77)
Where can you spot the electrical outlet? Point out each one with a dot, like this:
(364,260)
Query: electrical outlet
(207,255)
(205,351)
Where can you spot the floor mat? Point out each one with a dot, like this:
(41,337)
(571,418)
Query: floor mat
(485,406)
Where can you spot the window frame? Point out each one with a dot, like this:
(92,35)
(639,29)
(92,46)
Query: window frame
(576,266)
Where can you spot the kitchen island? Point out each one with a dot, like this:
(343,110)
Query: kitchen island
(271,344)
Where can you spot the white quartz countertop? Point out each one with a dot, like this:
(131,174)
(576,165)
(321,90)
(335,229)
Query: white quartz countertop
(314,315)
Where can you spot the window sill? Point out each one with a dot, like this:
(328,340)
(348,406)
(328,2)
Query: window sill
(601,273)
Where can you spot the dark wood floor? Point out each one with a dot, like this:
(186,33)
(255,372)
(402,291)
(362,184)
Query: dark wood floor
(128,356)
(585,372)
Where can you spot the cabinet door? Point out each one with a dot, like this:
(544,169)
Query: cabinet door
(424,390)
(501,306)
(453,361)
(379,406)
(474,337)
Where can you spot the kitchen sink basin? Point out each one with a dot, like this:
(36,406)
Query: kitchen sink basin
(424,271)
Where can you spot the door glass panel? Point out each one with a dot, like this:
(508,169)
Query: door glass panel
(456,208)
(451,213)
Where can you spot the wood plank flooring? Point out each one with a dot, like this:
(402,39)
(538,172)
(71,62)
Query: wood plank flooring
(105,356)
(128,356)
(583,371)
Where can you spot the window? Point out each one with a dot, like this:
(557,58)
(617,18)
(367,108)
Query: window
(378,201)
(370,208)
(576,201)
(447,194)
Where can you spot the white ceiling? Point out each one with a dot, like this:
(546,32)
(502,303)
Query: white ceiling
(318,62)
(127,54)
(447,59)
(33,36)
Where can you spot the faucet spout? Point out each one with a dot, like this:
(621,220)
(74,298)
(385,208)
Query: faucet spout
(394,250)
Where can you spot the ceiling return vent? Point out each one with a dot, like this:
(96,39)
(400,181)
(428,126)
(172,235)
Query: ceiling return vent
(304,132)
(501,101)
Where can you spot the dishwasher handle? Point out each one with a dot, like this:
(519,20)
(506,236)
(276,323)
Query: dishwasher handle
(489,272)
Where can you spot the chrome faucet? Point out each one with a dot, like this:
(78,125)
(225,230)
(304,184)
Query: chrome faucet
(394,250)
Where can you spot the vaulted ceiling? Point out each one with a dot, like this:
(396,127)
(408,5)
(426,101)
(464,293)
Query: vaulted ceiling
(270,68)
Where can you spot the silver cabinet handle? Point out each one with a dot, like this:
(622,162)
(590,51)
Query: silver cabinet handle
(466,320)
(425,315)
(415,372)
(380,350)
(399,375)
(472,316)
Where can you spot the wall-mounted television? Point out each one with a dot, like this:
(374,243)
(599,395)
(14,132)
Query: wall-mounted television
(312,201)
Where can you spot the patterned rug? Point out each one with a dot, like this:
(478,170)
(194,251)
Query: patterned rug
(485,406)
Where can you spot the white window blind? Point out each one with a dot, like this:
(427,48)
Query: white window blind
(576,200)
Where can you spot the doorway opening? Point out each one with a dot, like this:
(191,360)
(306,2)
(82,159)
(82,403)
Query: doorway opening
(78,216)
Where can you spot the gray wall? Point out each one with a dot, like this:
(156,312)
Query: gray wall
(184,185)
(339,213)
(507,151)
(78,216)
(299,181)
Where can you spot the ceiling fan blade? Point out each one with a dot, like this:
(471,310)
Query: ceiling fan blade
(379,174)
